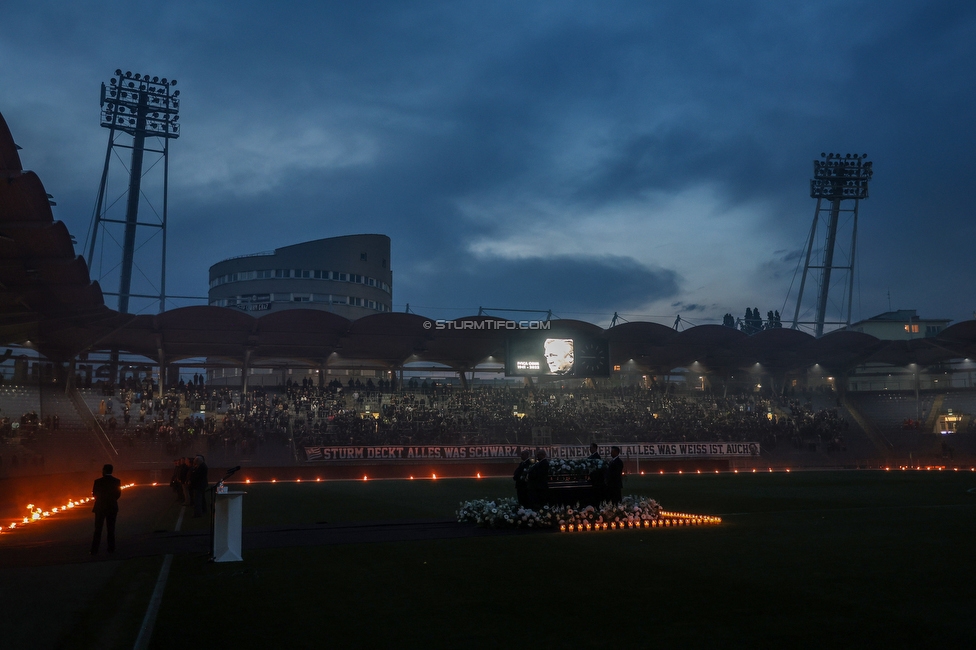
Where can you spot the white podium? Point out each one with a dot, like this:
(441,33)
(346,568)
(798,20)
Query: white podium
(227,523)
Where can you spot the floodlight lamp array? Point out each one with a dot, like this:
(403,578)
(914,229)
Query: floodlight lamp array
(140,104)
(839,176)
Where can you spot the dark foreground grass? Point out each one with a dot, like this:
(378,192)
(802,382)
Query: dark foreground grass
(809,559)
(268,504)
(116,608)
(858,559)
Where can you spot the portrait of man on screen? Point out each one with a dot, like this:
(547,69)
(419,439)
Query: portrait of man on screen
(560,356)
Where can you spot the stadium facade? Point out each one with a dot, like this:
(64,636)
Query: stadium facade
(349,276)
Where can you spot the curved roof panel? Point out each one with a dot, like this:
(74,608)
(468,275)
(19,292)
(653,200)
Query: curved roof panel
(202,331)
(465,342)
(844,349)
(388,339)
(310,334)
(9,158)
(923,352)
(641,343)
(23,200)
(777,348)
(572,327)
(713,346)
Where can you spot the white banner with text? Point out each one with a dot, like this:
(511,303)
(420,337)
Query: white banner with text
(650,450)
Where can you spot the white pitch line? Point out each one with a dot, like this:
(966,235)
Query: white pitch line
(149,620)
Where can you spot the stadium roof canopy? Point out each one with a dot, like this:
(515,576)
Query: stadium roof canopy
(49,302)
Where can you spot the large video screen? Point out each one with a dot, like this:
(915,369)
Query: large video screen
(545,354)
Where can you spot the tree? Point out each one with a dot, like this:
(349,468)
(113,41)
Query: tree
(752,322)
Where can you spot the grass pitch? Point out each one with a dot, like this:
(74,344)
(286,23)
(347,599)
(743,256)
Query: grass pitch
(809,559)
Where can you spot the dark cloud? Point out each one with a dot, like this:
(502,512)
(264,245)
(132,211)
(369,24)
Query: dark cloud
(565,284)
(454,124)
(690,307)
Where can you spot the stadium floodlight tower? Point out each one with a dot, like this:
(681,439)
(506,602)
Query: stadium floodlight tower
(140,107)
(839,184)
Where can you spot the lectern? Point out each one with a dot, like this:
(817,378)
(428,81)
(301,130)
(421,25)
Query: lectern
(227,524)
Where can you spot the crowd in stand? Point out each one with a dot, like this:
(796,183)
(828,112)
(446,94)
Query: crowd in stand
(425,413)
(445,415)
(242,425)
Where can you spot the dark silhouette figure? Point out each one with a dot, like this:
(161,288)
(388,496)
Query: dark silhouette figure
(106,491)
(521,487)
(538,479)
(596,476)
(198,485)
(614,475)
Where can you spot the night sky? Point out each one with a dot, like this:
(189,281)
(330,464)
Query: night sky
(646,158)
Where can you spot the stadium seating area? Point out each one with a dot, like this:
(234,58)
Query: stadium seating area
(43,423)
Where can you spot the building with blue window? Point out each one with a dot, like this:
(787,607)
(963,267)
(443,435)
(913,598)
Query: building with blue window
(349,276)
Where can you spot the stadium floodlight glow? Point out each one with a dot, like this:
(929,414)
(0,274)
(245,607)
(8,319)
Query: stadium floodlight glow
(141,105)
(836,178)
(841,177)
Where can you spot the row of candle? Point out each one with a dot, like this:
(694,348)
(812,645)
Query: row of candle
(666,520)
(478,475)
(677,519)
(38,514)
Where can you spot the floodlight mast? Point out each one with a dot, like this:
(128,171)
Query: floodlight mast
(139,106)
(836,178)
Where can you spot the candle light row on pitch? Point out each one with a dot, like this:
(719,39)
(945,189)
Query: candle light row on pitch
(666,522)
(37,513)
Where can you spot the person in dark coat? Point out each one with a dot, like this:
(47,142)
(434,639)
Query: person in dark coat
(521,487)
(537,477)
(174,481)
(185,467)
(596,476)
(199,483)
(106,491)
(614,476)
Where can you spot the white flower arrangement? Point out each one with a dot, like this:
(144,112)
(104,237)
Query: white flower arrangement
(507,513)
(503,513)
(574,466)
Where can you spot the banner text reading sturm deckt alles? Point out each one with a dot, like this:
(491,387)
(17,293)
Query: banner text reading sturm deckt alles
(511,452)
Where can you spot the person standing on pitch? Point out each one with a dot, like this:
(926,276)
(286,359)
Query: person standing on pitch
(614,476)
(521,487)
(537,477)
(106,491)
(596,475)
(199,483)
(594,451)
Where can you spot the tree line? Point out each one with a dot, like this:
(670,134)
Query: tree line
(753,322)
